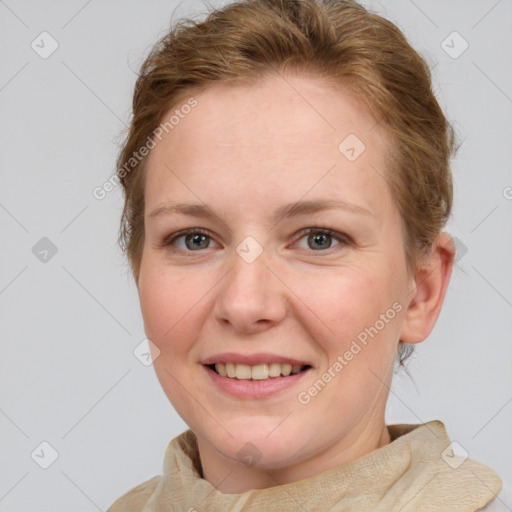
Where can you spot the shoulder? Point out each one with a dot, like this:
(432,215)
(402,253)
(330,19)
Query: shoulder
(135,499)
(502,502)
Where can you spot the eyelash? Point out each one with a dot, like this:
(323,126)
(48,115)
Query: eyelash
(342,238)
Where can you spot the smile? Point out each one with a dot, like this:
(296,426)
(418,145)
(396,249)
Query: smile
(264,371)
(256,381)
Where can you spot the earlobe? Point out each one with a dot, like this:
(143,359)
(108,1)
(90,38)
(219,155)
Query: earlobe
(428,291)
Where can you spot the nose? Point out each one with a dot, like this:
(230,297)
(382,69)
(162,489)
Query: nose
(251,298)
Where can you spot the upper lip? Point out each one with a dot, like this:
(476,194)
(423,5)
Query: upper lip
(252,359)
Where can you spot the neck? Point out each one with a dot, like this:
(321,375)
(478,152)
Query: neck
(239,478)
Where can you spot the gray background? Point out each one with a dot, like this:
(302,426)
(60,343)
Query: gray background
(69,325)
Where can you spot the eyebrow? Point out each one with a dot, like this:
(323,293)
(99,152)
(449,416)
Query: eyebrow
(286,211)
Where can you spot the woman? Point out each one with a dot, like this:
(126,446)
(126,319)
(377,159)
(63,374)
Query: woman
(287,180)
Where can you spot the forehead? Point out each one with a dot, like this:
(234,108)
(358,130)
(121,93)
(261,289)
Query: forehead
(278,137)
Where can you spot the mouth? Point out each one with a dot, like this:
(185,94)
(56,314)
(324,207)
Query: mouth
(258,372)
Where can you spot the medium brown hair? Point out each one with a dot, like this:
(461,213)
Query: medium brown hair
(337,40)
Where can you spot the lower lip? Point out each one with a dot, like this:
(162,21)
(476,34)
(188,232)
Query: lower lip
(254,388)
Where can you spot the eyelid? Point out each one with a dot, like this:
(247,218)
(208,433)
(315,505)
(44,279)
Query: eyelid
(168,241)
(342,238)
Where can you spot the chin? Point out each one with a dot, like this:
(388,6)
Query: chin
(262,444)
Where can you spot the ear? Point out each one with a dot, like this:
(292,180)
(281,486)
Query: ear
(428,291)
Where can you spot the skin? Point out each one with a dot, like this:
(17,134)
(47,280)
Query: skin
(244,151)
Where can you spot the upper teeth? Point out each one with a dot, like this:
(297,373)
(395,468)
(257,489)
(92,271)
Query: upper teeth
(257,372)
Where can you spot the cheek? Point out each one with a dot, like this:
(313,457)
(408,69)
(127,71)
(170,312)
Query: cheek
(360,315)
(170,306)
(358,332)
(345,303)
(173,308)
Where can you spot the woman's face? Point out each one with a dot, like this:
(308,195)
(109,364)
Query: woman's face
(259,170)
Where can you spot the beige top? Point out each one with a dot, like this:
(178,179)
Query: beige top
(416,472)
